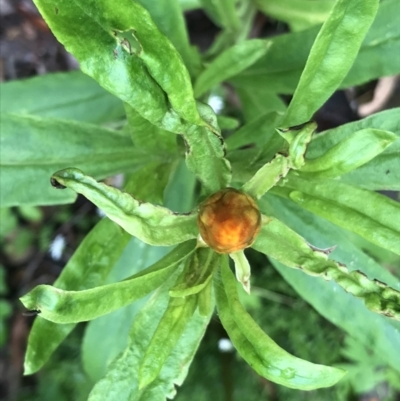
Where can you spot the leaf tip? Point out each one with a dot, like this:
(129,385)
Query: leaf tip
(144,378)
(56,184)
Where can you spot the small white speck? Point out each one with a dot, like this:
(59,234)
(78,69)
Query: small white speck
(57,247)
(216,103)
(100,213)
(225,345)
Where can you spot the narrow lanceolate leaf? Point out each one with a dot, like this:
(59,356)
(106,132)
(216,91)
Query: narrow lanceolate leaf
(283,244)
(199,270)
(280,70)
(260,351)
(352,152)
(88,267)
(369,214)
(205,152)
(298,14)
(329,299)
(223,13)
(119,46)
(331,57)
(267,176)
(257,131)
(82,99)
(165,338)
(50,145)
(242,269)
(149,137)
(229,63)
(121,380)
(154,225)
(61,306)
(383,171)
(168,16)
(112,330)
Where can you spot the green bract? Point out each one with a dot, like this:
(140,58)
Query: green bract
(317,186)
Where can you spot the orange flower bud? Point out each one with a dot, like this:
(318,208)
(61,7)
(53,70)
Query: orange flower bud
(229,220)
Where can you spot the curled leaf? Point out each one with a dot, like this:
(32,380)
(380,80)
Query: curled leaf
(278,241)
(78,306)
(154,225)
(260,351)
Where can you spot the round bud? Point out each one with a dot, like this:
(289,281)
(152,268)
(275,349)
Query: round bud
(229,220)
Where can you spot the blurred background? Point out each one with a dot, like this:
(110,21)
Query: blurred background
(36,243)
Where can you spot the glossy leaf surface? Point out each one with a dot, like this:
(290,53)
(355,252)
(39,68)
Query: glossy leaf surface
(383,171)
(125,42)
(77,306)
(260,351)
(279,242)
(280,71)
(229,63)
(331,56)
(347,155)
(88,268)
(199,270)
(167,334)
(205,152)
(154,225)
(121,379)
(112,330)
(341,308)
(371,215)
(167,15)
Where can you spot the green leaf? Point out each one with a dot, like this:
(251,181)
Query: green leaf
(260,351)
(121,380)
(149,182)
(227,123)
(280,242)
(299,14)
(373,216)
(148,137)
(87,268)
(339,307)
(205,152)
(187,5)
(229,63)
(170,328)
(347,155)
(382,172)
(267,176)
(50,145)
(331,56)
(223,13)
(179,193)
(258,100)
(375,58)
(77,306)
(9,222)
(258,131)
(199,270)
(281,69)
(112,330)
(242,269)
(168,16)
(154,225)
(82,99)
(120,46)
